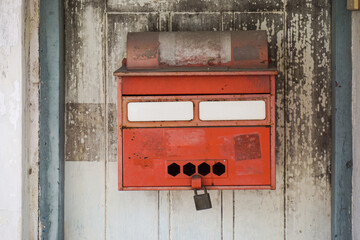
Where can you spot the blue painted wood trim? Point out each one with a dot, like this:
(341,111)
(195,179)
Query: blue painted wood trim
(51,199)
(342,130)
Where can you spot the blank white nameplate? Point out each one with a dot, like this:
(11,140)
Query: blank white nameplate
(232,110)
(160,111)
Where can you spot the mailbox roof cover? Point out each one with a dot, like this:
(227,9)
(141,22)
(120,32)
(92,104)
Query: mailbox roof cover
(239,49)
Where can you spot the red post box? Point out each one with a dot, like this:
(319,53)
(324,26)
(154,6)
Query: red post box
(196,104)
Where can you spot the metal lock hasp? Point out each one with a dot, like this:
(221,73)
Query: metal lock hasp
(202,201)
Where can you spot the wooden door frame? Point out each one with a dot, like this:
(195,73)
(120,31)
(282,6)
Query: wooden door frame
(341,177)
(51,155)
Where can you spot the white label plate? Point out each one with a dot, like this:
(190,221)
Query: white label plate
(160,111)
(232,110)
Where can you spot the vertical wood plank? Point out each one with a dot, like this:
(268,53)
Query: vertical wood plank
(111,133)
(84,78)
(85,51)
(164,215)
(264,209)
(187,223)
(129,214)
(84,200)
(164,21)
(85,119)
(227,215)
(227,21)
(32,124)
(308,120)
(259,215)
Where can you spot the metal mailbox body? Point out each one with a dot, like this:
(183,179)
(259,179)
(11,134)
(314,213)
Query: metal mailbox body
(228,148)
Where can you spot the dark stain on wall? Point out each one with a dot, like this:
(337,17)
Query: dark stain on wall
(308,116)
(112,132)
(196,22)
(85,133)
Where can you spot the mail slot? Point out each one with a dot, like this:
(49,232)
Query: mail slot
(196,104)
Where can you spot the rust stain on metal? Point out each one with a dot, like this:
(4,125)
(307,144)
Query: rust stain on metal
(247,147)
(145,54)
(144,162)
(143,50)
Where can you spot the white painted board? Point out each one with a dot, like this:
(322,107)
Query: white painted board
(187,223)
(130,214)
(84,200)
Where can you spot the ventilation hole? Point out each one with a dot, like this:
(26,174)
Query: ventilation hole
(189,169)
(204,169)
(218,169)
(173,169)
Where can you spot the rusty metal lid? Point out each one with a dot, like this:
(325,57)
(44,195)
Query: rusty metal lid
(238,49)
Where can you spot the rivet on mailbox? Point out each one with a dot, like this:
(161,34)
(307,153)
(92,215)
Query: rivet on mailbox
(184,120)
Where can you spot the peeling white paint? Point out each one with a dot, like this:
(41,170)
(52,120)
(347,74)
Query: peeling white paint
(87,70)
(11,117)
(308,195)
(31,217)
(9,36)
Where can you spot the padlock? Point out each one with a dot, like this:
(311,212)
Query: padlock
(202,201)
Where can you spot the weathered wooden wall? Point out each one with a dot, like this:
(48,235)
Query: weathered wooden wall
(299,36)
